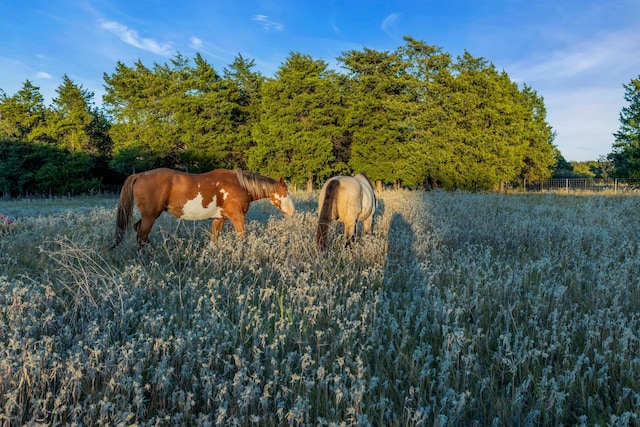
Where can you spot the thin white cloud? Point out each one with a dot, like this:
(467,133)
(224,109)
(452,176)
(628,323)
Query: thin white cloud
(388,23)
(582,88)
(132,38)
(612,53)
(217,52)
(267,24)
(195,43)
(43,75)
(334,26)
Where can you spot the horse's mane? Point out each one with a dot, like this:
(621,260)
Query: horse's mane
(259,186)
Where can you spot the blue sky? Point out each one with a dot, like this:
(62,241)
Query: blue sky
(575,54)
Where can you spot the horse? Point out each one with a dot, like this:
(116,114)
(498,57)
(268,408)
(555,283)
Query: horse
(218,195)
(348,199)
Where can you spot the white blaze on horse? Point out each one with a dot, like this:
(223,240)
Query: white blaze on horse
(217,195)
(348,199)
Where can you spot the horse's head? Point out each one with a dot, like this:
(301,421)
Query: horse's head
(280,199)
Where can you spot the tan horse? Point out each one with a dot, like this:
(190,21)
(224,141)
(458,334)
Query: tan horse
(218,195)
(348,199)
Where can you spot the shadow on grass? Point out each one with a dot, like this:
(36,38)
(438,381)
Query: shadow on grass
(401,268)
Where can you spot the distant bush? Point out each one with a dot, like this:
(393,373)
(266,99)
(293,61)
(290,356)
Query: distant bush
(35,168)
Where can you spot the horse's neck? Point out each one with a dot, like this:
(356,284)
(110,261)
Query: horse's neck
(257,194)
(256,189)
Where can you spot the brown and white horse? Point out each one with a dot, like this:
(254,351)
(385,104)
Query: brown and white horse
(218,195)
(349,199)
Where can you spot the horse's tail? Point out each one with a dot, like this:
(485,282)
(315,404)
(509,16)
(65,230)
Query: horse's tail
(326,213)
(125,208)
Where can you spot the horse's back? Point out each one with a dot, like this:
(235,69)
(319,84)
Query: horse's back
(160,177)
(162,189)
(227,177)
(153,187)
(353,198)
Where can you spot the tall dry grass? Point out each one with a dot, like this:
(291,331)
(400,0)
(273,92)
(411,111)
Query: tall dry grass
(461,309)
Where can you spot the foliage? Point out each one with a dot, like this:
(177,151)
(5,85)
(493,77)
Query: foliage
(589,169)
(538,136)
(461,309)
(22,114)
(299,118)
(180,115)
(410,117)
(55,150)
(248,86)
(30,168)
(15,171)
(563,168)
(378,111)
(626,148)
(416,116)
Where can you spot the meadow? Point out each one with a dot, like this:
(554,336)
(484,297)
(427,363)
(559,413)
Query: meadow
(461,309)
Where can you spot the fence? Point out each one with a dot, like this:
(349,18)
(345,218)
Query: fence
(613,185)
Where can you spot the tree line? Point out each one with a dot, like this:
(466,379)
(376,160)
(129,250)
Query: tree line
(412,117)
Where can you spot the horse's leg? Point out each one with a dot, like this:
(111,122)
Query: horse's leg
(368,225)
(143,228)
(233,211)
(237,219)
(216,227)
(349,232)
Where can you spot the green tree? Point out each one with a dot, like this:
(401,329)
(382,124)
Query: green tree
(298,122)
(14,174)
(71,116)
(136,99)
(540,156)
(37,168)
(604,169)
(177,115)
(486,140)
(63,172)
(588,169)
(626,148)
(76,124)
(432,159)
(563,168)
(22,114)
(473,127)
(247,85)
(380,105)
(203,106)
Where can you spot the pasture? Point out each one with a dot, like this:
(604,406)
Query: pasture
(460,309)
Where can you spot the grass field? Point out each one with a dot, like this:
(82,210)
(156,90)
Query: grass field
(462,309)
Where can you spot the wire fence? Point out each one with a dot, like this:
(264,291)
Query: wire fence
(613,185)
